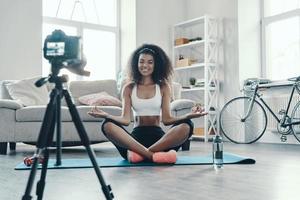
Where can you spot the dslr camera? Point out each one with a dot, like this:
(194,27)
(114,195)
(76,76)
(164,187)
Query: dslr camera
(65,51)
(59,46)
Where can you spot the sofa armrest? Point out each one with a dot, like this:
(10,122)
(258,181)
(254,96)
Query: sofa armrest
(10,104)
(7,124)
(182,104)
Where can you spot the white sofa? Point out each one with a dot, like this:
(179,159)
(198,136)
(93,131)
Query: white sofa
(22,123)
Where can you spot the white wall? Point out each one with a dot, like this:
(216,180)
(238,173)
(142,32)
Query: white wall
(249,39)
(20,38)
(155,19)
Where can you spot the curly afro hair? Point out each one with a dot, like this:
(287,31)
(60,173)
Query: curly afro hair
(163,69)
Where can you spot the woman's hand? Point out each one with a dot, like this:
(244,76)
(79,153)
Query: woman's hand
(95,112)
(197,111)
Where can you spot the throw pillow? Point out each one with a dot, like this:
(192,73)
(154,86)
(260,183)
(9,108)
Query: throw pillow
(99,99)
(27,93)
(181,104)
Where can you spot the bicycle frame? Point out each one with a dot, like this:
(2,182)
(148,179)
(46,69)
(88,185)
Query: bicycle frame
(256,94)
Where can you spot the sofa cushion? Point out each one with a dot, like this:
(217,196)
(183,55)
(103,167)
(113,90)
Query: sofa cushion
(36,113)
(181,104)
(27,93)
(81,88)
(100,99)
(11,104)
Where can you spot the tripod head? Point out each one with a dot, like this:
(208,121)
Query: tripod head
(74,65)
(58,80)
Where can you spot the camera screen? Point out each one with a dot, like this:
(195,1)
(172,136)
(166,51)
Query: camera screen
(55,49)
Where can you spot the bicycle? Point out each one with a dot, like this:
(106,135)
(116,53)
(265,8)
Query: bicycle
(243,120)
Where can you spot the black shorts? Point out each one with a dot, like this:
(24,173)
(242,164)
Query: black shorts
(146,135)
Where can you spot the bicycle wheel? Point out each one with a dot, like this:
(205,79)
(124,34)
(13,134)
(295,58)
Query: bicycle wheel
(237,130)
(295,117)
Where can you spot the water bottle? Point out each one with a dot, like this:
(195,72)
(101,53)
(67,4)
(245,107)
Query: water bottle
(218,152)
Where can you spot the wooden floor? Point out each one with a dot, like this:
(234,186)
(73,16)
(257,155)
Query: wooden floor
(275,176)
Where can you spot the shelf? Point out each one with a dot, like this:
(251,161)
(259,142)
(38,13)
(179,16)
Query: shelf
(196,65)
(192,89)
(197,89)
(202,136)
(190,22)
(212,112)
(205,52)
(195,43)
(190,44)
(198,136)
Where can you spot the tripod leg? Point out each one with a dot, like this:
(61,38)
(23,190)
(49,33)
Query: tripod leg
(85,140)
(41,143)
(27,196)
(41,183)
(58,130)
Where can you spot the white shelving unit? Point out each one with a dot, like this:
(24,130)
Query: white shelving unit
(201,50)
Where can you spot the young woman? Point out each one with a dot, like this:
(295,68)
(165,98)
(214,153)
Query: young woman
(148,93)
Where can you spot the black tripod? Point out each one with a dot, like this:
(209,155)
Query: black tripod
(52,117)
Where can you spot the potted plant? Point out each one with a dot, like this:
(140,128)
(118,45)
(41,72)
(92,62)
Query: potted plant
(192,82)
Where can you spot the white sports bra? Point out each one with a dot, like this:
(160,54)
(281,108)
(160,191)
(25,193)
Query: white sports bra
(146,107)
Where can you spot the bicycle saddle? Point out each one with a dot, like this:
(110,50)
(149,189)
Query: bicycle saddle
(250,81)
(295,79)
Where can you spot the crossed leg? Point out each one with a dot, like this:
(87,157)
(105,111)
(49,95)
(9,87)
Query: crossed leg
(121,138)
(174,137)
(124,141)
(171,140)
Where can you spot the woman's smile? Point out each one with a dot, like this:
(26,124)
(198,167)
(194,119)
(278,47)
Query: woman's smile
(146,64)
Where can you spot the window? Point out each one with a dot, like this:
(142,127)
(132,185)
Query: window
(100,63)
(96,21)
(281,39)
